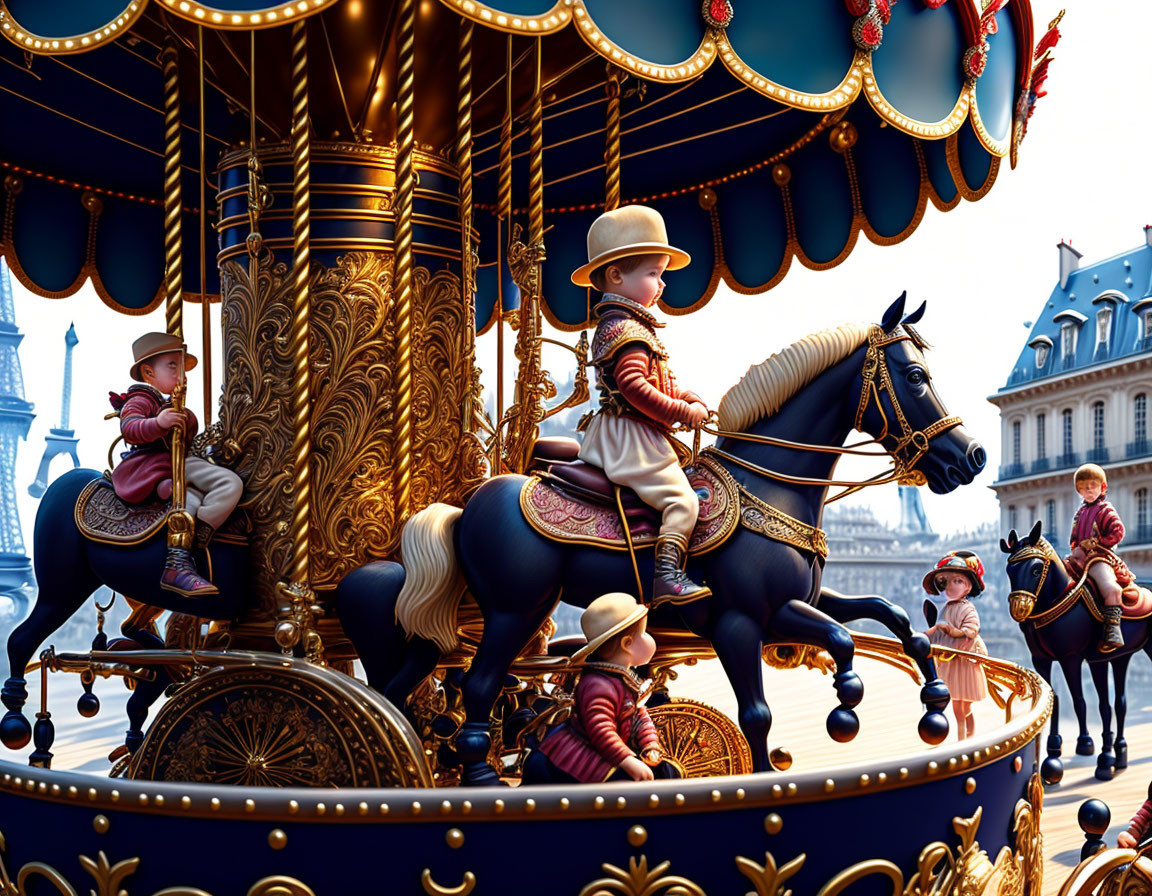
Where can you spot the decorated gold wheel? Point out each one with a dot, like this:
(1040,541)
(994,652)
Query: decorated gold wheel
(280,723)
(701,741)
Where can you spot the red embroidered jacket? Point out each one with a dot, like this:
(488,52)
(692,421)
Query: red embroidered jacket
(632,365)
(1097,520)
(605,728)
(148,462)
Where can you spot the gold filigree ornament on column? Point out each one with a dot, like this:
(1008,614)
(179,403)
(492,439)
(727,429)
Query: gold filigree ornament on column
(1022,872)
(767,878)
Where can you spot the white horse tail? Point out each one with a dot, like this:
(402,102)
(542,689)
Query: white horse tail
(433,584)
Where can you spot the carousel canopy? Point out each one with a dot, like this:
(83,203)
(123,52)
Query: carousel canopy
(764,132)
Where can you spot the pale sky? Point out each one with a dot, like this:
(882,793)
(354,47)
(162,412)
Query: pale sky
(984,267)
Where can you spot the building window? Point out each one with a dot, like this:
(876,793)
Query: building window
(1050,520)
(1097,428)
(1016,442)
(1041,448)
(1142,533)
(1146,318)
(1042,354)
(1103,326)
(1066,438)
(1011,516)
(1068,342)
(1140,418)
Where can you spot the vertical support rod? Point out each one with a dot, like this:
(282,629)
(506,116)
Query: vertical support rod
(536,164)
(503,215)
(173,205)
(301,306)
(205,305)
(405,191)
(612,141)
(464,166)
(254,241)
(179,523)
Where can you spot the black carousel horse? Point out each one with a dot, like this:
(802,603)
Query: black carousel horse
(70,567)
(1059,626)
(763,590)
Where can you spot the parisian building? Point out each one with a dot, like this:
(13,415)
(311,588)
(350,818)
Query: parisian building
(1078,393)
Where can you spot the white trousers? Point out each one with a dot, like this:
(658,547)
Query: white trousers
(640,457)
(212,492)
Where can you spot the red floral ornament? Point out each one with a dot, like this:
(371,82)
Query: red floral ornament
(717,13)
(884,9)
(934,4)
(857,7)
(975,60)
(868,32)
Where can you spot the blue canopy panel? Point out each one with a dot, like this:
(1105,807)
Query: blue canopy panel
(783,161)
(88,203)
(769,155)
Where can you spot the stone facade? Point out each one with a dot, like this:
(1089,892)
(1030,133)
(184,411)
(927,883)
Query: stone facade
(1079,393)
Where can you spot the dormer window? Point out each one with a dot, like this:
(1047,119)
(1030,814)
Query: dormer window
(1104,325)
(1070,323)
(1143,310)
(1042,345)
(1068,331)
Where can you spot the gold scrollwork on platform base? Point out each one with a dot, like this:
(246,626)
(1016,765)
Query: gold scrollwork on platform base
(467,885)
(639,881)
(109,878)
(767,878)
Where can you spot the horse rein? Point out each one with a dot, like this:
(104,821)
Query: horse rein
(903,465)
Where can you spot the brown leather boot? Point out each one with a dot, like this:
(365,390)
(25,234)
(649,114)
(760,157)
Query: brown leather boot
(1112,638)
(180,575)
(671,584)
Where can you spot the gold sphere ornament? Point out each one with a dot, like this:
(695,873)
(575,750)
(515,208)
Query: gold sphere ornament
(781,174)
(843,137)
(277,839)
(637,836)
(707,198)
(773,824)
(781,759)
(287,635)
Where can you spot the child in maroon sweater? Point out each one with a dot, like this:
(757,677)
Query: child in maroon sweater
(609,734)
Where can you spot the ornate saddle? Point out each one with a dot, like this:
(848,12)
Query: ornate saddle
(104,517)
(569,500)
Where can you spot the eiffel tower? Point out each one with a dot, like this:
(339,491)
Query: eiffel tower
(15,419)
(60,439)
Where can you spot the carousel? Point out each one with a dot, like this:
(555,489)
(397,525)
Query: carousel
(364,187)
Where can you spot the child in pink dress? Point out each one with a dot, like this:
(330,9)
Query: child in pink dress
(958,576)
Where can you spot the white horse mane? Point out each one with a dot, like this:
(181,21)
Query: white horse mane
(766,386)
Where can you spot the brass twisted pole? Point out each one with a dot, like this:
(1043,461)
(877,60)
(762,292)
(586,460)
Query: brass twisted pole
(205,305)
(173,206)
(612,141)
(503,217)
(298,334)
(504,179)
(464,166)
(179,522)
(405,190)
(536,162)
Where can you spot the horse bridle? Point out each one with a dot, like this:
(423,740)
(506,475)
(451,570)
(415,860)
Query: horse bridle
(876,378)
(1022,602)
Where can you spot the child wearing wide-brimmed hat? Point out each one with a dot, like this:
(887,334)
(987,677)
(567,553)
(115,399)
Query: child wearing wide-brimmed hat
(1096,530)
(145,470)
(629,437)
(609,734)
(959,575)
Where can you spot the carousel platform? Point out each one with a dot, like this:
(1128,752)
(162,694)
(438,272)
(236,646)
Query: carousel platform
(959,816)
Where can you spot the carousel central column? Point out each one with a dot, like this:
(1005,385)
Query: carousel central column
(349,374)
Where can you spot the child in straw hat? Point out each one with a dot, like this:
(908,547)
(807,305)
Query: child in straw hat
(609,734)
(629,437)
(1096,530)
(145,470)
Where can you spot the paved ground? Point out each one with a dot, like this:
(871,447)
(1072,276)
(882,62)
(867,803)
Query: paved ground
(800,701)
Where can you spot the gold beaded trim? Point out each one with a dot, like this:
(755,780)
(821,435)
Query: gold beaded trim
(76,43)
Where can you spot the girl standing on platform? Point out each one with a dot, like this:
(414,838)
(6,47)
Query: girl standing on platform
(959,576)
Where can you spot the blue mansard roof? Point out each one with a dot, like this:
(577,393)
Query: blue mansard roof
(1122,283)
